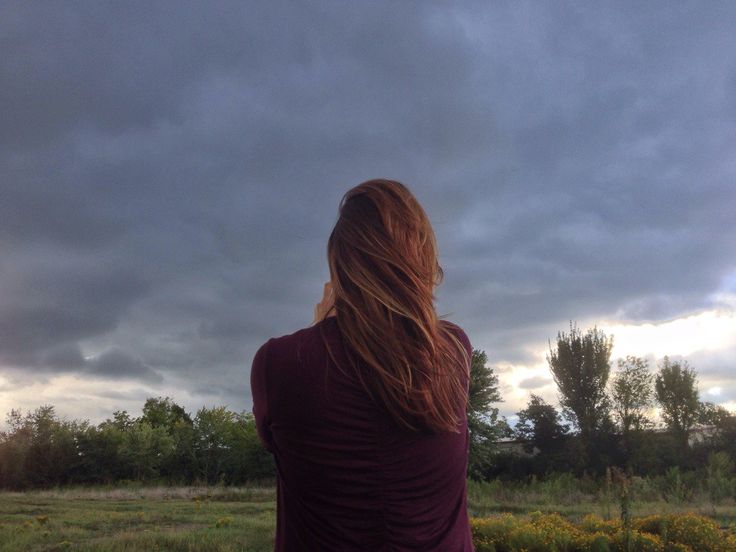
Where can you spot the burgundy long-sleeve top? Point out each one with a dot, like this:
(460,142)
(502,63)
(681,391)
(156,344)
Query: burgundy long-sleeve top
(348,477)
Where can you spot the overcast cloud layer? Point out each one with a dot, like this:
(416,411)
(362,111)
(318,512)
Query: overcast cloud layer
(169,175)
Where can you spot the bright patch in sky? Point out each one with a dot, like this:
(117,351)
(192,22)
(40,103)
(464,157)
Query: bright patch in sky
(72,395)
(706,331)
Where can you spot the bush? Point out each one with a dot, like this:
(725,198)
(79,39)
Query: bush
(719,468)
(697,532)
(595,524)
(641,542)
(692,531)
(550,532)
(539,533)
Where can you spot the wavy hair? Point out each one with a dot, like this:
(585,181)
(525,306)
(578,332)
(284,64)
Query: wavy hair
(382,256)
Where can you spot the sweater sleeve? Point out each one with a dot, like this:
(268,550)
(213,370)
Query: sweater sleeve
(259,391)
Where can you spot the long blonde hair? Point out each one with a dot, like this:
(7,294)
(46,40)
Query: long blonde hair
(383,263)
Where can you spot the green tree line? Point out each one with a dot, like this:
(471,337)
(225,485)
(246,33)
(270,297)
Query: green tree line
(164,445)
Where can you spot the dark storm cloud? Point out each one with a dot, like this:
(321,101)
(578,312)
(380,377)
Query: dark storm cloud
(66,357)
(54,298)
(169,173)
(117,364)
(133,395)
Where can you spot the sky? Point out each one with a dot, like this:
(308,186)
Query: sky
(170,173)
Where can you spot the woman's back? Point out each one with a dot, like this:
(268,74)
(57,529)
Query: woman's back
(349,478)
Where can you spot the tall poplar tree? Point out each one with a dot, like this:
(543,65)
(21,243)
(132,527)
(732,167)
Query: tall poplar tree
(580,366)
(632,396)
(676,387)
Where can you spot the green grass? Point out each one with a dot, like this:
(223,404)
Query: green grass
(183,519)
(243,519)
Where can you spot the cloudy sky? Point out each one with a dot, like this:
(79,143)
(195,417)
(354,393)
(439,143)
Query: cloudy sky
(170,173)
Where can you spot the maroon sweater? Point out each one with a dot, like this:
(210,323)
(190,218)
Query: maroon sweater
(348,477)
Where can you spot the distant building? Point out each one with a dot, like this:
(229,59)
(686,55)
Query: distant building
(701,434)
(515,446)
(697,436)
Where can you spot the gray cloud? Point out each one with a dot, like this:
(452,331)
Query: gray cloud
(168,178)
(535,382)
(117,364)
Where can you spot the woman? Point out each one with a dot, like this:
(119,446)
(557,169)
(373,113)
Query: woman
(364,411)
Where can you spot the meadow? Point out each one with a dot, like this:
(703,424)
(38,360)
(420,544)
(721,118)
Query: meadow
(220,518)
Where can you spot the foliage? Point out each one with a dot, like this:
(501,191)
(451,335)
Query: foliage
(167,445)
(580,366)
(545,532)
(165,413)
(692,531)
(631,397)
(484,426)
(39,450)
(164,444)
(540,426)
(677,393)
(711,414)
(144,449)
(631,394)
(719,470)
(483,385)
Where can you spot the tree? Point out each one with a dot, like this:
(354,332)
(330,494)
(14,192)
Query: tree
(580,366)
(677,393)
(540,425)
(15,445)
(213,429)
(121,421)
(631,397)
(39,450)
(248,460)
(53,448)
(164,412)
(725,437)
(100,452)
(483,424)
(711,414)
(145,449)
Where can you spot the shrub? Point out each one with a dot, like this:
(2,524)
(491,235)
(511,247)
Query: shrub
(595,524)
(690,530)
(595,542)
(490,532)
(641,542)
(550,532)
(698,532)
(720,466)
(655,525)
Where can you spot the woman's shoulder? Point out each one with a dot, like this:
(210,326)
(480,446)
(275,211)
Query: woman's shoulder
(451,325)
(454,328)
(291,342)
(458,332)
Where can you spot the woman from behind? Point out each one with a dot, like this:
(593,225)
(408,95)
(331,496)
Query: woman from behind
(364,411)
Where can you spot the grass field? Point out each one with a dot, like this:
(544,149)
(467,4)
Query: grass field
(146,519)
(229,519)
